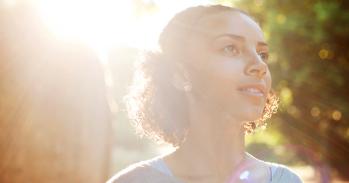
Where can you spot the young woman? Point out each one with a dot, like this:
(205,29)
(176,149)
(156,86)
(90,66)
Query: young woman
(206,88)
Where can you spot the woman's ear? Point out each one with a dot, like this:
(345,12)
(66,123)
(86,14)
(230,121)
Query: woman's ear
(181,79)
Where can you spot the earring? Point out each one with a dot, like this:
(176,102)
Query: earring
(187,86)
(181,79)
(181,84)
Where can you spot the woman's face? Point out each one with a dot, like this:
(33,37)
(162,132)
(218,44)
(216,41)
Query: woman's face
(230,55)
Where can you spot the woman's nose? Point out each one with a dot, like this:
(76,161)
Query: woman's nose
(256,67)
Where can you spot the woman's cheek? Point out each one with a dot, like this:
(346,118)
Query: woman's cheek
(268,80)
(229,68)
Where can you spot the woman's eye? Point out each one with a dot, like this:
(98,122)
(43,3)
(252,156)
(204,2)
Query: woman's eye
(264,56)
(231,50)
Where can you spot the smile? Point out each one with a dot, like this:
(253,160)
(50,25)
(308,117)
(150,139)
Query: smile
(254,90)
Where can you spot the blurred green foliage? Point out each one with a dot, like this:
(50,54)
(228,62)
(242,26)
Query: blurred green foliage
(309,61)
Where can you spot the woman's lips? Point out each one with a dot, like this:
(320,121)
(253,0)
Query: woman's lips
(257,90)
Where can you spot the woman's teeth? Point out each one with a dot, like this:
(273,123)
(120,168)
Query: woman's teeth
(253,91)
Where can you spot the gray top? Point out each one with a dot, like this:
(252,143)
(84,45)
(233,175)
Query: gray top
(155,171)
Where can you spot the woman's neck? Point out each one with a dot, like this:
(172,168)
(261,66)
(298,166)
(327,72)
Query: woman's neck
(214,147)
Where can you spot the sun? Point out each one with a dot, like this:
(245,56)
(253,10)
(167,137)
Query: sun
(99,23)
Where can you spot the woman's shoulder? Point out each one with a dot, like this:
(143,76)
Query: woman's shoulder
(129,174)
(283,174)
(279,173)
(141,172)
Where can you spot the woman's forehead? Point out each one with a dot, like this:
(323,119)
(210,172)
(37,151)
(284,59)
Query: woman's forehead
(231,23)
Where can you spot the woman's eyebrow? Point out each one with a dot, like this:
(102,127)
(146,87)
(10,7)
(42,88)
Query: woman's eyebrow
(232,36)
(262,44)
(239,38)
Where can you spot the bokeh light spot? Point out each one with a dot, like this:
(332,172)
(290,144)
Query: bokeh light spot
(315,112)
(323,54)
(336,115)
(286,96)
(280,19)
(294,111)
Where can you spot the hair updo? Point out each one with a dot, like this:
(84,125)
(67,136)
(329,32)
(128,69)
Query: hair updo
(159,110)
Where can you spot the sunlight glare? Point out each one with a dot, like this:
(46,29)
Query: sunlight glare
(103,23)
(9,3)
(100,23)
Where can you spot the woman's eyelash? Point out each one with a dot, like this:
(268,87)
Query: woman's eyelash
(232,50)
(264,55)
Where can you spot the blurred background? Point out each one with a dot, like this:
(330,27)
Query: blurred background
(65,66)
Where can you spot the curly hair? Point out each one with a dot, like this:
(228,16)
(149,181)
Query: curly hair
(157,109)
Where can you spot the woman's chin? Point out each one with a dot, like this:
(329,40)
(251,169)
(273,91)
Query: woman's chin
(247,116)
(254,118)
(253,115)
(245,113)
